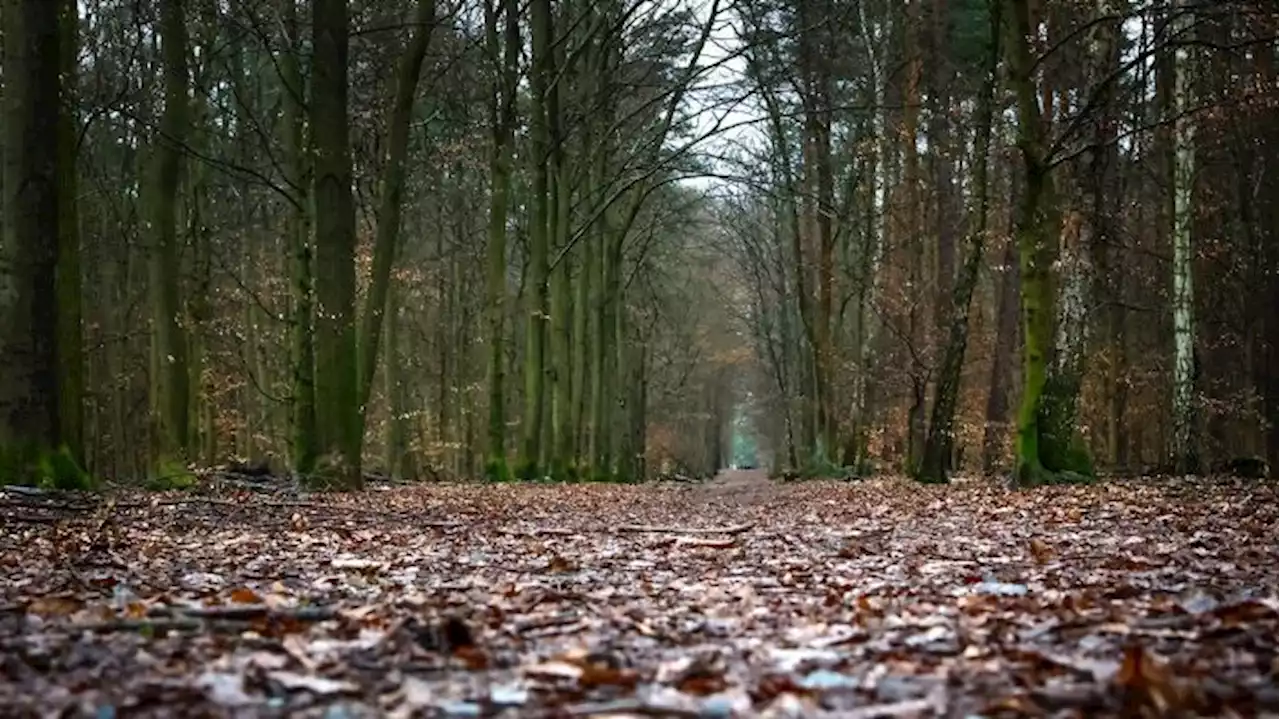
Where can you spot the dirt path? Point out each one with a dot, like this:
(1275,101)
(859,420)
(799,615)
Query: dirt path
(742,485)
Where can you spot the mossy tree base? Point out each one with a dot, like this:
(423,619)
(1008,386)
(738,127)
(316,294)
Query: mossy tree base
(169,474)
(29,464)
(497,470)
(1051,451)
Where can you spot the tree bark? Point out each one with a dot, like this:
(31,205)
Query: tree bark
(338,423)
(1048,447)
(536,327)
(305,446)
(32,442)
(1185,451)
(68,278)
(170,393)
(502,118)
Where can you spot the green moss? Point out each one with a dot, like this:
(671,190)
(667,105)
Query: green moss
(27,463)
(527,471)
(497,470)
(170,474)
(821,467)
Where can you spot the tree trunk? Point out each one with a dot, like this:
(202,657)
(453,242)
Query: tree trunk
(32,441)
(1048,447)
(68,278)
(397,450)
(338,425)
(559,369)
(386,243)
(536,327)
(305,447)
(1185,451)
(911,229)
(502,118)
(170,393)
(939,442)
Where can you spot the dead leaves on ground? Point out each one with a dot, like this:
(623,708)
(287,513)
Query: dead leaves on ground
(877,599)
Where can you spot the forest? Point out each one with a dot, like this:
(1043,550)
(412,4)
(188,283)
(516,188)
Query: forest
(694,358)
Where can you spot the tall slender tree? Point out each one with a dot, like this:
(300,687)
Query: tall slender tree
(504,57)
(338,424)
(170,392)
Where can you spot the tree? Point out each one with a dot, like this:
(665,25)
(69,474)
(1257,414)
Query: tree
(301,267)
(33,430)
(939,441)
(338,423)
(170,391)
(1183,181)
(502,120)
(1048,447)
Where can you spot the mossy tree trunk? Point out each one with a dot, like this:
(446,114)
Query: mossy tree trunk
(502,119)
(338,425)
(301,266)
(33,446)
(170,392)
(536,323)
(1048,447)
(70,336)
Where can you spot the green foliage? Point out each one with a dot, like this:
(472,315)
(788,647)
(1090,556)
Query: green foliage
(170,474)
(527,471)
(1062,449)
(26,463)
(497,470)
(970,30)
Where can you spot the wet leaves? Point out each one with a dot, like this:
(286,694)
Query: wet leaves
(880,598)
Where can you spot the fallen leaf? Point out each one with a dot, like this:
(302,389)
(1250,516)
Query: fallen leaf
(244,595)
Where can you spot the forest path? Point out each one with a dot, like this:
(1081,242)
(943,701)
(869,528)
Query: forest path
(741,485)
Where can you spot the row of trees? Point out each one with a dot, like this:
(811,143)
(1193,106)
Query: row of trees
(456,236)
(265,207)
(936,165)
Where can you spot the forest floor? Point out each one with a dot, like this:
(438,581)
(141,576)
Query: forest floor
(739,597)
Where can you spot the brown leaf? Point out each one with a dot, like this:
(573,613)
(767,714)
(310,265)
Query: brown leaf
(472,657)
(703,684)
(1041,550)
(244,595)
(560,565)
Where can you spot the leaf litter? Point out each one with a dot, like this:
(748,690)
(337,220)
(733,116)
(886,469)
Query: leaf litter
(873,599)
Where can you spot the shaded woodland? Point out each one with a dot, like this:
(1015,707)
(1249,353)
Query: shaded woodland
(578,239)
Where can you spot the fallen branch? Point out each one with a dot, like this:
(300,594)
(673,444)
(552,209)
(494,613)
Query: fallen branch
(637,529)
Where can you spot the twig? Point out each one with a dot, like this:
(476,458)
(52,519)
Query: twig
(711,543)
(734,529)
